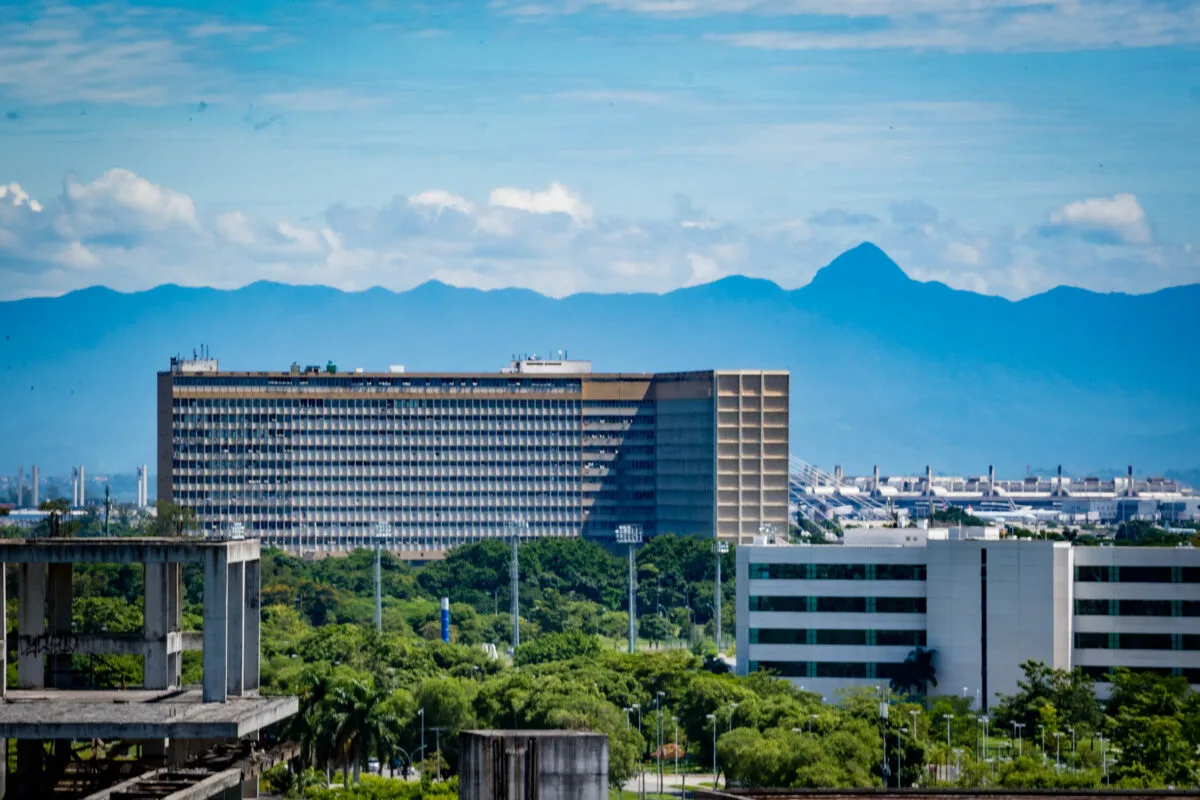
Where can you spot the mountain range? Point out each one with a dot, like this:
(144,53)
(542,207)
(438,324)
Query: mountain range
(884,369)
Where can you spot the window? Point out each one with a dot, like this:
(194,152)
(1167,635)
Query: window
(841,669)
(900,605)
(845,637)
(838,572)
(842,605)
(1144,574)
(778,636)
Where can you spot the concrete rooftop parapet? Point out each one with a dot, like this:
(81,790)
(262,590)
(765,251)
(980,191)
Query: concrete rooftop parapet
(125,550)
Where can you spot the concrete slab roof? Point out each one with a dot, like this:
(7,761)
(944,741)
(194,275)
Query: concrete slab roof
(140,714)
(124,550)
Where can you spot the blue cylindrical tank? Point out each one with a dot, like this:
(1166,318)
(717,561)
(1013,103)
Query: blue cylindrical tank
(446,620)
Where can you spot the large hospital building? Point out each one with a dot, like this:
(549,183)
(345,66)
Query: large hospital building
(311,457)
(830,617)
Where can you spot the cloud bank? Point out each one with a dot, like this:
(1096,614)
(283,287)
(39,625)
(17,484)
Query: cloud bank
(122,230)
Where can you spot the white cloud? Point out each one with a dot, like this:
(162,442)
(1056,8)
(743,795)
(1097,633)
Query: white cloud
(440,200)
(19,197)
(1115,220)
(126,232)
(955,25)
(319,100)
(71,54)
(555,199)
(121,200)
(209,29)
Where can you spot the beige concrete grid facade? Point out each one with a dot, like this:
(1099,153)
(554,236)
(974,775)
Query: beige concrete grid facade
(312,459)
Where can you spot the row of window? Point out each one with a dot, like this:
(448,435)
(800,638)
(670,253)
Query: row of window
(839,605)
(359,383)
(1094,573)
(838,572)
(867,637)
(1137,608)
(828,669)
(1138,641)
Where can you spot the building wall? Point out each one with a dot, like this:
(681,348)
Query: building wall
(752,452)
(1091,607)
(448,458)
(685,480)
(1025,609)
(1137,607)
(840,630)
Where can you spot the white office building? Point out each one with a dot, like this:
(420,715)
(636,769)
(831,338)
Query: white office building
(829,617)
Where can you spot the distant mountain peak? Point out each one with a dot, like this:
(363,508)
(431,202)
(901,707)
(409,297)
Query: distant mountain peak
(861,268)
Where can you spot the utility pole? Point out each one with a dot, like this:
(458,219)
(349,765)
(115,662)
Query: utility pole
(382,531)
(518,526)
(720,548)
(107,505)
(631,535)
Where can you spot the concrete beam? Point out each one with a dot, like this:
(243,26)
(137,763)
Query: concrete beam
(31,624)
(83,720)
(124,550)
(111,644)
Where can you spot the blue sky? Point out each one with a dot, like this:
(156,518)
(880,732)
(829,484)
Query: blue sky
(1003,146)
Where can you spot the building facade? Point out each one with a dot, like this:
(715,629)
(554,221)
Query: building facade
(834,617)
(319,455)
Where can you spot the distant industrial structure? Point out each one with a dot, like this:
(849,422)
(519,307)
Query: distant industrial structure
(832,617)
(197,743)
(1027,501)
(314,457)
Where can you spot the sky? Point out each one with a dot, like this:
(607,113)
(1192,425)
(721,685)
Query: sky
(1000,146)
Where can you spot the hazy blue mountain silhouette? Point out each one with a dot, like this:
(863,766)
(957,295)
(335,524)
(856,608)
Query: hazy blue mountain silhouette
(884,369)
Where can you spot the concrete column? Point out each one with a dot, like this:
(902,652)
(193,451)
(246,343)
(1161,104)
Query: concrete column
(31,625)
(216,623)
(253,623)
(58,614)
(236,669)
(175,620)
(250,787)
(156,625)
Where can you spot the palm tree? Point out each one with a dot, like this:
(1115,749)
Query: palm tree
(364,721)
(916,673)
(311,726)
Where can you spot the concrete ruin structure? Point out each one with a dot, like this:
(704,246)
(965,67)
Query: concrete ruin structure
(196,742)
(533,765)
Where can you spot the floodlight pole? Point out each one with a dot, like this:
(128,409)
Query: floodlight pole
(382,531)
(720,548)
(517,526)
(631,535)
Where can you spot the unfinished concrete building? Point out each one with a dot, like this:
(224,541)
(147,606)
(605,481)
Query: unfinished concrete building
(191,742)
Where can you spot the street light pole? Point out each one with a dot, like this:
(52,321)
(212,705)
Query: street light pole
(900,757)
(659,724)
(947,717)
(1020,733)
(676,721)
(1058,750)
(631,534)
(421,714)
(713,719)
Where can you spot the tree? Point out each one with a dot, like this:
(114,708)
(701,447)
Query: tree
(916,673)
(558,647)
(656,628)
(171,519)
(1148,712)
